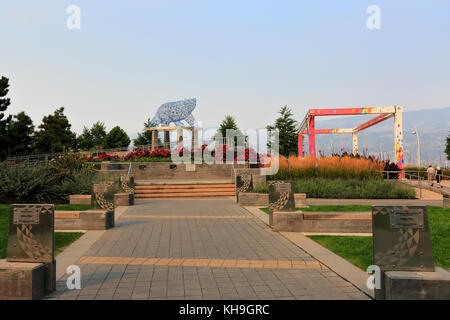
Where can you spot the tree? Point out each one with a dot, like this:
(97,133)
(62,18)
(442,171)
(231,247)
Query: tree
(92,138)
(447,148)
(20,135)
(287,129)
(4,104)
(229,123)
(144,138)
(116,138)
(85,141)
(54,133)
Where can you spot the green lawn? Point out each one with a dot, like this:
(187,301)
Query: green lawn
(346,208)
(62,239)
(358,250)
(73,207)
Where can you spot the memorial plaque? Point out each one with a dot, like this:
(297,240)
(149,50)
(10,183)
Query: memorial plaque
(281,196)
(401,240)
(103,196)
(26,215)
(127,184)
(31,233)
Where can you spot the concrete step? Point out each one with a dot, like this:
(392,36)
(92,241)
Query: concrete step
(198,186)
(193,191)
(184,195)
(185,189)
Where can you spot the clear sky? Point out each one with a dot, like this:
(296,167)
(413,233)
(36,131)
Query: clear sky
(244,58)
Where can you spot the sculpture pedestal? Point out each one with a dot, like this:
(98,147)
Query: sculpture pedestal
(407,285)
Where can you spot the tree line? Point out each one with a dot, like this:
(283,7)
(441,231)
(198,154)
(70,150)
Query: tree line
(19,136)
(285,124)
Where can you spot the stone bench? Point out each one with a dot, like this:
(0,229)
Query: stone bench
(84,220)
(80,199)
(251,199)
(123,199)
(326,222)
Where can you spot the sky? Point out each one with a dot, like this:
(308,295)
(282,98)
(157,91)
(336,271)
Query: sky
(240,58)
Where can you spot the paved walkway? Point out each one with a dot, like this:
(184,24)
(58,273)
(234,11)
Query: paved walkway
(199,249)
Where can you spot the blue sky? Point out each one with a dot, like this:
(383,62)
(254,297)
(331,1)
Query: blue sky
(244,58)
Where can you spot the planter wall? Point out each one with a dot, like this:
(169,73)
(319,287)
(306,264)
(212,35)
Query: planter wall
(84,220)
(262,199)
(80,199)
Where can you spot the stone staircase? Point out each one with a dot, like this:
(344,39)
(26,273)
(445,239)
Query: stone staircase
(183,189)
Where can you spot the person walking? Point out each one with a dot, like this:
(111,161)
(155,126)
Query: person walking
(431,173)
(438,176)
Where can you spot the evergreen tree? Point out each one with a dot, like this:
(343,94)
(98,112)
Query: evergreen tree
(54,133)
(85,141)
(19,135)
(144,137)
(4,104)
(287,130)
(116,138)
(229,123)
(92,138)
(447,148)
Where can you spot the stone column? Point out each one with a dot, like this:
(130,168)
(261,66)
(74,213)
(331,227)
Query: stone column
(167,139)
(194,138)
(154,139)
(355,142)
(179,136)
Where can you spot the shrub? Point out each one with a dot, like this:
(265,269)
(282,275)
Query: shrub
(28,183)
(348,189)
(334,167)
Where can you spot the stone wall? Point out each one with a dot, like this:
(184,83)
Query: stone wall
(123,199)
(80,199)
(262,199)
(84,220)
(170,171)
(323,222)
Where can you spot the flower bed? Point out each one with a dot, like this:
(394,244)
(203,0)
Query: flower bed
(248,155)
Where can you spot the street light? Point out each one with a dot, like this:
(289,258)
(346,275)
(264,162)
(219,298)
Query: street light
(418,145)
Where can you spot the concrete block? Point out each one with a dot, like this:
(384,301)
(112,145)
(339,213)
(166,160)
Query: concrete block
(286,221)
(22,280)
(80,199)
(300,200)
(407,285)
(84,220)
(446,200)
(262,199)
(123,199)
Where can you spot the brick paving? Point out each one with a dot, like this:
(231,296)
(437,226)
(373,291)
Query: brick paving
(183,256)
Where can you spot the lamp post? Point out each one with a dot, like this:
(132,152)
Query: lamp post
(418,145)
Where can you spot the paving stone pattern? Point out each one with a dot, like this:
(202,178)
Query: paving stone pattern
(190,237)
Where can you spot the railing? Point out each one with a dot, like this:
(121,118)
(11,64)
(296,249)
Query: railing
(417,181)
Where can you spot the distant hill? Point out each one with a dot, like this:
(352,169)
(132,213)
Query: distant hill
(433,126)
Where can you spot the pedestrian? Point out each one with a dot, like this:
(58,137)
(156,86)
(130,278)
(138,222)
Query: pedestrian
(431,172)
(438,176)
